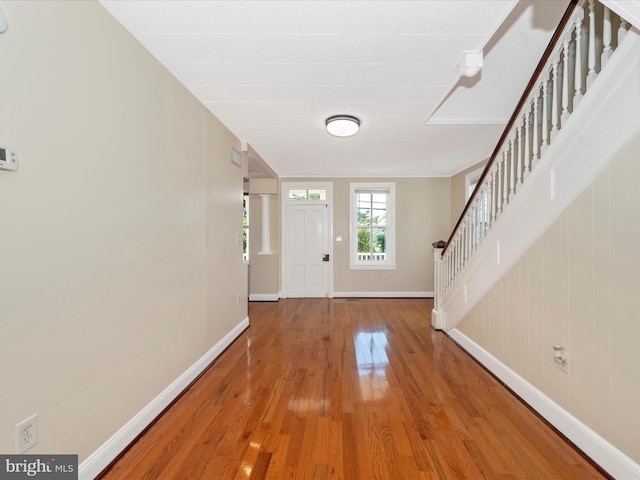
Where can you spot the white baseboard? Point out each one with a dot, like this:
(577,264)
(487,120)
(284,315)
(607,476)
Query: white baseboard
(383,294)
(264,297)
(600,450)
(107,452)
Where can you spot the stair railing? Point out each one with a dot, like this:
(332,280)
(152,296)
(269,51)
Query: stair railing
(578,51)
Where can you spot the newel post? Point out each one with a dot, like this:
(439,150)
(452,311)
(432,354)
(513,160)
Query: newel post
(437,320)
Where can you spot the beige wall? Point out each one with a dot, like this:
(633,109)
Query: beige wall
(458,197)
(119,267)
(264,270)
(578,287)
(422,217)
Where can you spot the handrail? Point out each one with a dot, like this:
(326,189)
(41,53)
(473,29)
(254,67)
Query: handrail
(514,116)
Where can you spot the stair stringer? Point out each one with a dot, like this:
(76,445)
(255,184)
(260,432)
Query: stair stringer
(627,9)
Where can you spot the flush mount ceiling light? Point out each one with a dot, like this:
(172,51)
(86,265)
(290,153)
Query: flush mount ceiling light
(342,125)
(471,63)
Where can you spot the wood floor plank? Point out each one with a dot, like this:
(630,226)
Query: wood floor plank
(348,389)
(278,462)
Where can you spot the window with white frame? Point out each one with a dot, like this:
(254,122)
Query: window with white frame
(372,226)
(471,180)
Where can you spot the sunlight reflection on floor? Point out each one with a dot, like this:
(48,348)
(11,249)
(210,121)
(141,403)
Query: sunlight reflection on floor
(372,360)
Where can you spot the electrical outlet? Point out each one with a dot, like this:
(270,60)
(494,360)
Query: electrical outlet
(27,433)
(564,366)
(238,299)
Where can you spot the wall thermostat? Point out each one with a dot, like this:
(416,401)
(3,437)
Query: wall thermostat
(8,159)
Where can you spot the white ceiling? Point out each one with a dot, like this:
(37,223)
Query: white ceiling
(273,71)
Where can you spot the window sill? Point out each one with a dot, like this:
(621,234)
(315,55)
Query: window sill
(364,266)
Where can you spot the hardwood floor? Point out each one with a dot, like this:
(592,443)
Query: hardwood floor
(352,389)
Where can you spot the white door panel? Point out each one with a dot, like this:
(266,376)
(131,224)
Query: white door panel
(307,242)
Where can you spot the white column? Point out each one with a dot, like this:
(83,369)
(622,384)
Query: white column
(265,248)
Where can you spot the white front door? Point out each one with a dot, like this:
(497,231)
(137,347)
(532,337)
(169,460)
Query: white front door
(307,242)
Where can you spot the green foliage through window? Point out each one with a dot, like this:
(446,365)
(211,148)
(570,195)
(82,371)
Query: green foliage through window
(310,194)
(245,227)
(371,221)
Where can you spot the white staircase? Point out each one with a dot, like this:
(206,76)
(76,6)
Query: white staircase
(582,108)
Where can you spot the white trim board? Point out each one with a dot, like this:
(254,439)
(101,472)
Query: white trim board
(627,9)
(612,460)
(467,121)
(383,294)
(264,297)
(108,451)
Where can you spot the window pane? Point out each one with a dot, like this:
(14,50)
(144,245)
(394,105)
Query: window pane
(379,198)
(363,199)
(379,244)
(472,187)
(364,216)
(372,211)
(317,194)
(364,243)
(297,194)
(245,243)
(380,216)
(379,208)
(245,210)
(364,208)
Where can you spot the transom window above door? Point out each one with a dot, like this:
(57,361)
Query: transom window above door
(308,194)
